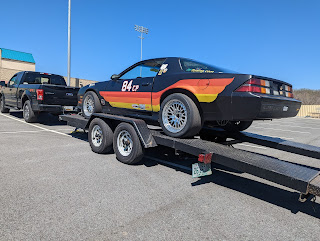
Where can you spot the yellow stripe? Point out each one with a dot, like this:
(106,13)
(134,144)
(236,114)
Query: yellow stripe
(129,106)
(155,108)
(206,97)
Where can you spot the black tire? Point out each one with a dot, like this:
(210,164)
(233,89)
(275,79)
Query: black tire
(96,105)
(192,125)
(235,126)
(100,144)
(137,151)
(3,109)
(28,114)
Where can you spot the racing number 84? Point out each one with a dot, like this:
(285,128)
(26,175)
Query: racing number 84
(127,86)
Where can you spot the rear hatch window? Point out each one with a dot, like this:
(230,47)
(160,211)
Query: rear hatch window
(43,78)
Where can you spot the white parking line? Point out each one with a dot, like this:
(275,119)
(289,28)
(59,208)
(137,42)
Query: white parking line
(286,125)
(42,128)
(280,129)
(259,147)
(17,132)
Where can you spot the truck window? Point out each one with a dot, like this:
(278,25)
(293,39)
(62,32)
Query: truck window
(39,78)
(13,80)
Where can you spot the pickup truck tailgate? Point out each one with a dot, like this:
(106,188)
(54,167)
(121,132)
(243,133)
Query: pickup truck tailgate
(60,95)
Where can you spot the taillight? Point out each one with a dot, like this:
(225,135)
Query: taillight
(256,86)
(263,87)
(40,94)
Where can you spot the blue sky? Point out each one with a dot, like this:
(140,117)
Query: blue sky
(274,38)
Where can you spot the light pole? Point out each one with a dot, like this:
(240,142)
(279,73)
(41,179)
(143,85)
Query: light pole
(142,30)
(69,41)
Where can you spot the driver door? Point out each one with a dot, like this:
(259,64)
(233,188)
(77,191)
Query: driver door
(133,89)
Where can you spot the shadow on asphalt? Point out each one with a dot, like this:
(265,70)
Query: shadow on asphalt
(44,118)
(227,178)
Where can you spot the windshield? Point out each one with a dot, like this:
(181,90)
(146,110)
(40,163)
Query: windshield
(192,66)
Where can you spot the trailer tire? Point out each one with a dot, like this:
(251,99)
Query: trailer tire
(100,136)
(186,113)
(3,109)
(127,145)
(28,114)
(91,104)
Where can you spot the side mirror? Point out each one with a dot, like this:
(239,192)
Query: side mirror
(3,83)
(115,76)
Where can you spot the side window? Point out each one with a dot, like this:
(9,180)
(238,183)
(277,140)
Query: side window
(144,70)
(13,80)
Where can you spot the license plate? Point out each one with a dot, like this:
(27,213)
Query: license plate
(68,108)
(201,169)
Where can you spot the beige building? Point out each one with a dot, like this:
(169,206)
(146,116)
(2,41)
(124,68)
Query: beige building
(12,61)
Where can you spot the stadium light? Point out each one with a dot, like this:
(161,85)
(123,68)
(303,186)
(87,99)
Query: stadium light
(141,30)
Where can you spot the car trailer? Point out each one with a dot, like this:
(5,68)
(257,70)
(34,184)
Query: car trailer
(129,137)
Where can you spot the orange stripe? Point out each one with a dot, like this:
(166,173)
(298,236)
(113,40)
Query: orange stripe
(129,100)
(124,94)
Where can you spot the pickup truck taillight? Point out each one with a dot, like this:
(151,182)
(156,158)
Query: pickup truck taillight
(264,87)
(40,94)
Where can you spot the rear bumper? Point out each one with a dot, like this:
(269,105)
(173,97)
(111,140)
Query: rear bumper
(249,106)
(50,108)
(261,107)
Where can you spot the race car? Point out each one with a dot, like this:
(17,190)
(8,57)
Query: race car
(184,95)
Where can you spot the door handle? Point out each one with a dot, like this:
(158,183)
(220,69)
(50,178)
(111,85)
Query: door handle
(145,84)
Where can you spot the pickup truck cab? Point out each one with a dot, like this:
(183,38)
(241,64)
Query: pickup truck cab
(36,92)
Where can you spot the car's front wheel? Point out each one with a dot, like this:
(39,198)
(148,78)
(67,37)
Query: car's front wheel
(179,116)
(90,104)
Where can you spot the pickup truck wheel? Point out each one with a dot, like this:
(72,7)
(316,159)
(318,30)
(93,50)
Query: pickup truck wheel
(28,114)
(237,125)
(100,136)
(3,109)
(126,144)
(179,116)
(91,104)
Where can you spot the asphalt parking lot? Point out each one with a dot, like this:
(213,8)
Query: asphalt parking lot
(52,186)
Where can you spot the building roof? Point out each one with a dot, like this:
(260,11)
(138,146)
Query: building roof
(16,55)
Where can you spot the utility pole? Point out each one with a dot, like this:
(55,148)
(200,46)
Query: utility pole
(69,41)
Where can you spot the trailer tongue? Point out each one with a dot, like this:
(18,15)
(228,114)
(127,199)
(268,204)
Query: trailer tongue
(303,179)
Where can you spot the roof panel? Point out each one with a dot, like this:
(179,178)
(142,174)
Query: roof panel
(16,55)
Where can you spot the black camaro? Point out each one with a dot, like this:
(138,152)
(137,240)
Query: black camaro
(183,95)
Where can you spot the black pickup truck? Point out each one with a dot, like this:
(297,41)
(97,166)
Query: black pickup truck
(36,92)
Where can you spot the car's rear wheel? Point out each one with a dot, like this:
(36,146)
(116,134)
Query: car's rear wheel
(179,116)
(90,104)
(28,114)
(237,125)
(3,109)
(100,136)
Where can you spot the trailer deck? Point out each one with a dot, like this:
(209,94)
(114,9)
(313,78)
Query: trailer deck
(303,179)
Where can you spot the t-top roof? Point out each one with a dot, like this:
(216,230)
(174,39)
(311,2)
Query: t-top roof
(16,55)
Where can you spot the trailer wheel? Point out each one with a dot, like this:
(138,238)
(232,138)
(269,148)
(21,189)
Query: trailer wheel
(237,125)
(126,144)
(179,116)
(28,114)
(100,136)
(3,109)
(90,104)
